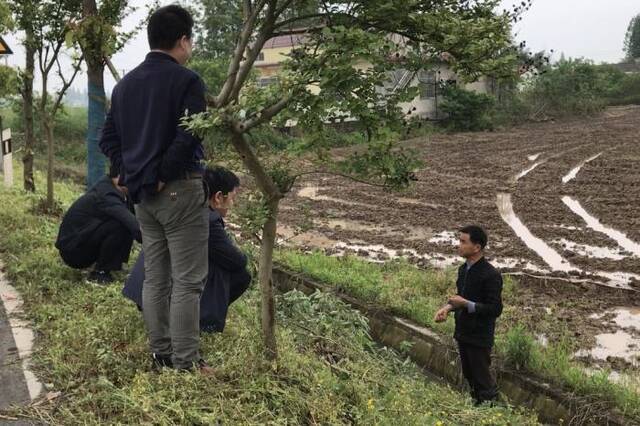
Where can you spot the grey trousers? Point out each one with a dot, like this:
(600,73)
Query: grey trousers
(175,232)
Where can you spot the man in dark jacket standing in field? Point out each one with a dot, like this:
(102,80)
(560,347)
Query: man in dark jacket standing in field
(161,166)
(228,277)
(99,228)
(477,305)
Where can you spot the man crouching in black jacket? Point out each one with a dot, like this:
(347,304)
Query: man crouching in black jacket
(99,228)
(477,305)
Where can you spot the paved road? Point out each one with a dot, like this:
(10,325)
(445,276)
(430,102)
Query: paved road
(13,386)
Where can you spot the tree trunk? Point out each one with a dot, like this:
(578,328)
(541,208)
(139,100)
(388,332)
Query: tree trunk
(273,196)
(268,309)
(97,99)
(27,110)
(47,123)
(96,117)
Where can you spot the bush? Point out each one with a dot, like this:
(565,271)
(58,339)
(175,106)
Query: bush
(571,87)
(466,110)
(627,92)
(519,348)
(511,109)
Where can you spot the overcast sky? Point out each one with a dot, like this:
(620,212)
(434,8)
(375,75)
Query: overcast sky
(591,29)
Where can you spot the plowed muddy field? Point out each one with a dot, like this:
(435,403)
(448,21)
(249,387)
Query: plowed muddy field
(560,202)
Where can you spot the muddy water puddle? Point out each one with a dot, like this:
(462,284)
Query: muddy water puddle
(542,249)
(445,238)
(527,170)
(620,344)
(550,256)
(595,252)
(289,235)
(379,253)
(622,341)
(574,172)
(534,157)
(311,192)
(594,223)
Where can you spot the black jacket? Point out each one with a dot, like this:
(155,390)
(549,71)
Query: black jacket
(142,135)
(482,284)
(227,277)
(102,202)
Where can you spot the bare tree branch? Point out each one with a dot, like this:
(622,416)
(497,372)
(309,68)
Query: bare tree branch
(112,68)
(255,49)
(266,114)
(246,9)
(65,83)
(243,42)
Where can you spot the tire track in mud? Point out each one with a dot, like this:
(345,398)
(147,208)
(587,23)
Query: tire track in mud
(550,256)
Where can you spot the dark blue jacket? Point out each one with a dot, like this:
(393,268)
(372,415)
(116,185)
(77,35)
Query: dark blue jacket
(481,284)
(142,134)
(227,278)
(101,203)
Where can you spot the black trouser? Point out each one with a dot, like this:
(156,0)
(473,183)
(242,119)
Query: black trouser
(221,291)
(476,363)
(108,247)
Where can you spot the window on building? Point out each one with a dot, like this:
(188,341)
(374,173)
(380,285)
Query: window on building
(428,84)
(260,57)
(266,81)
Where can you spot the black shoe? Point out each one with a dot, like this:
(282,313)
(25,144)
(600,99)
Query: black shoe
(100,277)
(158,362)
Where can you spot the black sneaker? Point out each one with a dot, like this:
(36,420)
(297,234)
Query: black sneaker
(100,277)
(158,362)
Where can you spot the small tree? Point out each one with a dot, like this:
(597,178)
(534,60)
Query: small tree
(348,52)
(50,26)
(632,40)
(24,14)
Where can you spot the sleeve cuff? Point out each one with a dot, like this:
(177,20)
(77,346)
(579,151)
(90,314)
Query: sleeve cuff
(471,307)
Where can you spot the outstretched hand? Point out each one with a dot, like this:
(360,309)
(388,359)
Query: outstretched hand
(442,313)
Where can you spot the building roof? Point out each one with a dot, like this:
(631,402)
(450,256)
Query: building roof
(4,48)
(288,40)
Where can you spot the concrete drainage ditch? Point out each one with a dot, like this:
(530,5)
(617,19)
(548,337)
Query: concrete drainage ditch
(437,355)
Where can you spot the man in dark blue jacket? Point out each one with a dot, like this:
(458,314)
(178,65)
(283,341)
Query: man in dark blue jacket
(161,166)
(99,228)
(477,305)
(228,277)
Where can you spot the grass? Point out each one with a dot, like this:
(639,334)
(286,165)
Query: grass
(416,294)
(91,347)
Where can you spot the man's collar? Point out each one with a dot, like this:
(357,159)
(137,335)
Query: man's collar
(161,54)
(469,264)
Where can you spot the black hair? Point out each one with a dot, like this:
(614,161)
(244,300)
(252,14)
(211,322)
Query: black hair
(219,179)
(476,235)
(113,171)
(167,25)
